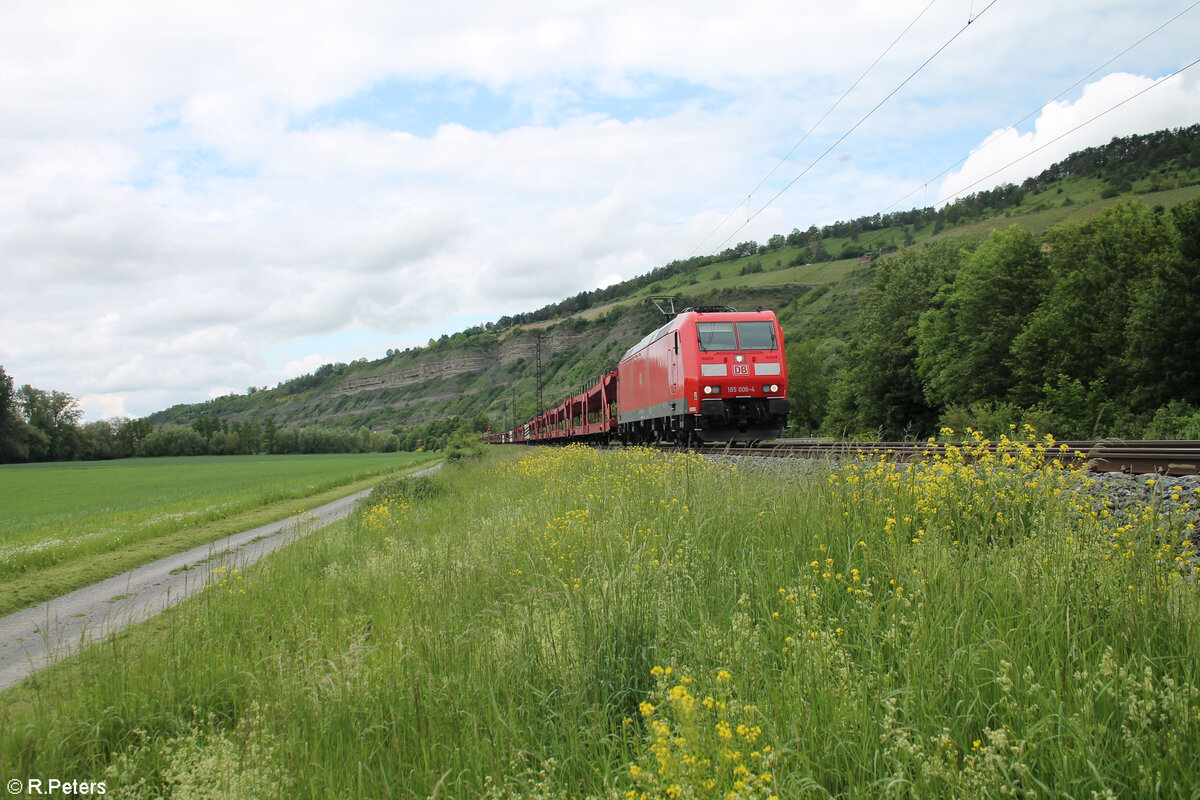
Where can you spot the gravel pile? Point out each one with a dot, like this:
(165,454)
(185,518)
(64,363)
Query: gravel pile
(1127,495)
(1166,493)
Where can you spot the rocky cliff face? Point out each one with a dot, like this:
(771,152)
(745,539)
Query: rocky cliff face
(511,350)
(448,367)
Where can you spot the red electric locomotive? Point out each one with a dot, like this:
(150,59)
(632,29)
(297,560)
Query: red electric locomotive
(710,374)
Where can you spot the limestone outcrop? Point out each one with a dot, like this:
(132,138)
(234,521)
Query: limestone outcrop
(509,351)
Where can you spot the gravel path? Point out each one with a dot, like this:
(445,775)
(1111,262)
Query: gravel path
(36,637)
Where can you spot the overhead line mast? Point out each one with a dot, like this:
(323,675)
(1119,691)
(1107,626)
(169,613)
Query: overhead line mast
(539,372)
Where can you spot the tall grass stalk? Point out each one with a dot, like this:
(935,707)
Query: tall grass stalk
(573,623)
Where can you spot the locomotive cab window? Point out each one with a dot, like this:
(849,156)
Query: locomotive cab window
(756,335)
(716,335)
(736,335)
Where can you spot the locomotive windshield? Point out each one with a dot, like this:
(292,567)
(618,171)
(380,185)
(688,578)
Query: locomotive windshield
(716,336)
(748,336)
(756,335)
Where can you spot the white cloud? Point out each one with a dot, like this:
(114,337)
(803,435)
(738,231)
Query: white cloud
(1117,105)
(304,365)
(104,406)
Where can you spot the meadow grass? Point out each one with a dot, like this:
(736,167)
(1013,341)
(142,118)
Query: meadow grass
(573,623)
(65,525)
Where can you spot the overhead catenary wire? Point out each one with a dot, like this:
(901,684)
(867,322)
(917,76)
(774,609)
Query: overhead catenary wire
(815,125)
(992,140)
(856,125)
(1108,110)
(957,192)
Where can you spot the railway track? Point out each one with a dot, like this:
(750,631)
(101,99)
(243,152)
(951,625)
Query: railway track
(1130,457)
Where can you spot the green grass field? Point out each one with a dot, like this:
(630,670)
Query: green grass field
(570,623)
(63,525)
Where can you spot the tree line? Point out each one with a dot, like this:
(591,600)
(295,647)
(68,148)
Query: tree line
(212,435)
(1125,157)
(1091,331)
(41,425)
(38,425)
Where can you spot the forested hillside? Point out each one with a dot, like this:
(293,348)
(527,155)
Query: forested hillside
(1070,302)
(1091,330)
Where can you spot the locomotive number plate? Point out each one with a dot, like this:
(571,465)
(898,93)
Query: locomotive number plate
(741,369)
(741,389)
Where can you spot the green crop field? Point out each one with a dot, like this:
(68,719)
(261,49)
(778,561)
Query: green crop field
(63,525)
(571,623)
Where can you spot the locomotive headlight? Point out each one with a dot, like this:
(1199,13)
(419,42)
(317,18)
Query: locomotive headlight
(708,390)
(712,389)
(772,389)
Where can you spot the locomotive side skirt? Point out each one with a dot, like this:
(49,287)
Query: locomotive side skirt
(666,409)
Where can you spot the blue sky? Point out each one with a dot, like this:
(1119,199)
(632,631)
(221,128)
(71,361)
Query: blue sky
(420,107)
(198,199)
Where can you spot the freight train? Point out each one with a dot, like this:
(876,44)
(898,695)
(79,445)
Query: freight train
(710,374)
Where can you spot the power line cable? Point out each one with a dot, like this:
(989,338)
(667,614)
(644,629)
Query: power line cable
(833,107)
(854,127)
(1108,110)
(1037,110)
(817,124)
(1140,41)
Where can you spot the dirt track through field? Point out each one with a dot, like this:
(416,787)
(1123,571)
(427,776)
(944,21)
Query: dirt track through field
(36,637)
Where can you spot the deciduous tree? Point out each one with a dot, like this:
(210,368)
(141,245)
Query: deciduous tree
(1098,270)
(1163,328)
(881,388)
(965,340)
(14,431)
(54,419)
